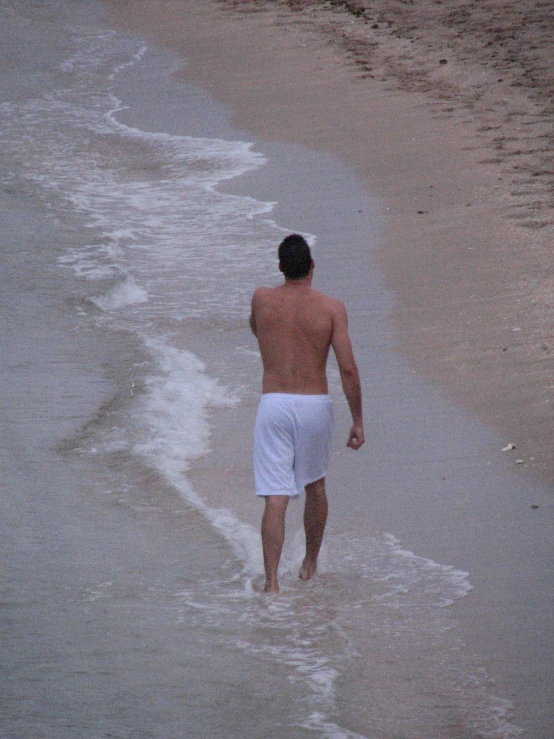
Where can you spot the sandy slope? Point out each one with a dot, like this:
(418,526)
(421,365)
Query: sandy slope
(484,328)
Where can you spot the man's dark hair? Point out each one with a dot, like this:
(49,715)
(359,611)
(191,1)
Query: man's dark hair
(295,257)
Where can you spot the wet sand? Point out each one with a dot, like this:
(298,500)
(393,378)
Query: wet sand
(446,113)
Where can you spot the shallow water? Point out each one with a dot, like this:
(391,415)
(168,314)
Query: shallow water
(132,548)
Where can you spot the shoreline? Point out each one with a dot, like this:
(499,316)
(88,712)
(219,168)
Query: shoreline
(472,292)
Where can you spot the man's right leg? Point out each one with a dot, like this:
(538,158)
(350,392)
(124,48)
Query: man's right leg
(315,518)
(273,537)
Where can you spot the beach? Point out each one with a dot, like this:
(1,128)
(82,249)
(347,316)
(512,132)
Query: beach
(461,151)
(153,156)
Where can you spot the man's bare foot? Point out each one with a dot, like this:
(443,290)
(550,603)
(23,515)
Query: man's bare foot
(308,569)
(271,589)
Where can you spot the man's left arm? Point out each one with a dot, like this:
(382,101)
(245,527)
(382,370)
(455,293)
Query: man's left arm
(349,375)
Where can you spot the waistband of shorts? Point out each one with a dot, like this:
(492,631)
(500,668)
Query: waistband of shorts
(297,396)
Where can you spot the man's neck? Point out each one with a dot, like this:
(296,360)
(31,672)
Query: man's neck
(300,281)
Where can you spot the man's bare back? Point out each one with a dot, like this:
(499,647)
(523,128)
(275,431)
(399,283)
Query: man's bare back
(295,326)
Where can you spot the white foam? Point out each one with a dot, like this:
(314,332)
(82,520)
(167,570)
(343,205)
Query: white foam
(173,415)
(126,292)
(179,247)
(149,198)
(400,578)
(327,729)
(174,407)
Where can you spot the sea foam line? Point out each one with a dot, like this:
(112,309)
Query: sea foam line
(173,413)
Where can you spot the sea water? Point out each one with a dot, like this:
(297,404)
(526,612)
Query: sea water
(135,561)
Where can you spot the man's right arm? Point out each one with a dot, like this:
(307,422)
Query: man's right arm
(349,375)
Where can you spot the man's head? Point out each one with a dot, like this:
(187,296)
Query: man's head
(295,258)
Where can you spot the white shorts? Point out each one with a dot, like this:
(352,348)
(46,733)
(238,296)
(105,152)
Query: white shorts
(292,442)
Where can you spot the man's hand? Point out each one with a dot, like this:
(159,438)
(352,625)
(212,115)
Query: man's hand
(356,437)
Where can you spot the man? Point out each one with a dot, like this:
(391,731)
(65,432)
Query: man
(295,326)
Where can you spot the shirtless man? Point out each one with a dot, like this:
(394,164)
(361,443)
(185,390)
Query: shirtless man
(295,326)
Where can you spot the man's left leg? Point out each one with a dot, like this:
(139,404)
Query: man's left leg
(315,518)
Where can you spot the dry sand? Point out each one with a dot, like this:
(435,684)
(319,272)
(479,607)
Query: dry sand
(445,110)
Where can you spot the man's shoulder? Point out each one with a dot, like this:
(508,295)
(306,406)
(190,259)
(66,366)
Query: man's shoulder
(332,304)
(325,302)
(264,289)
(262,294)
